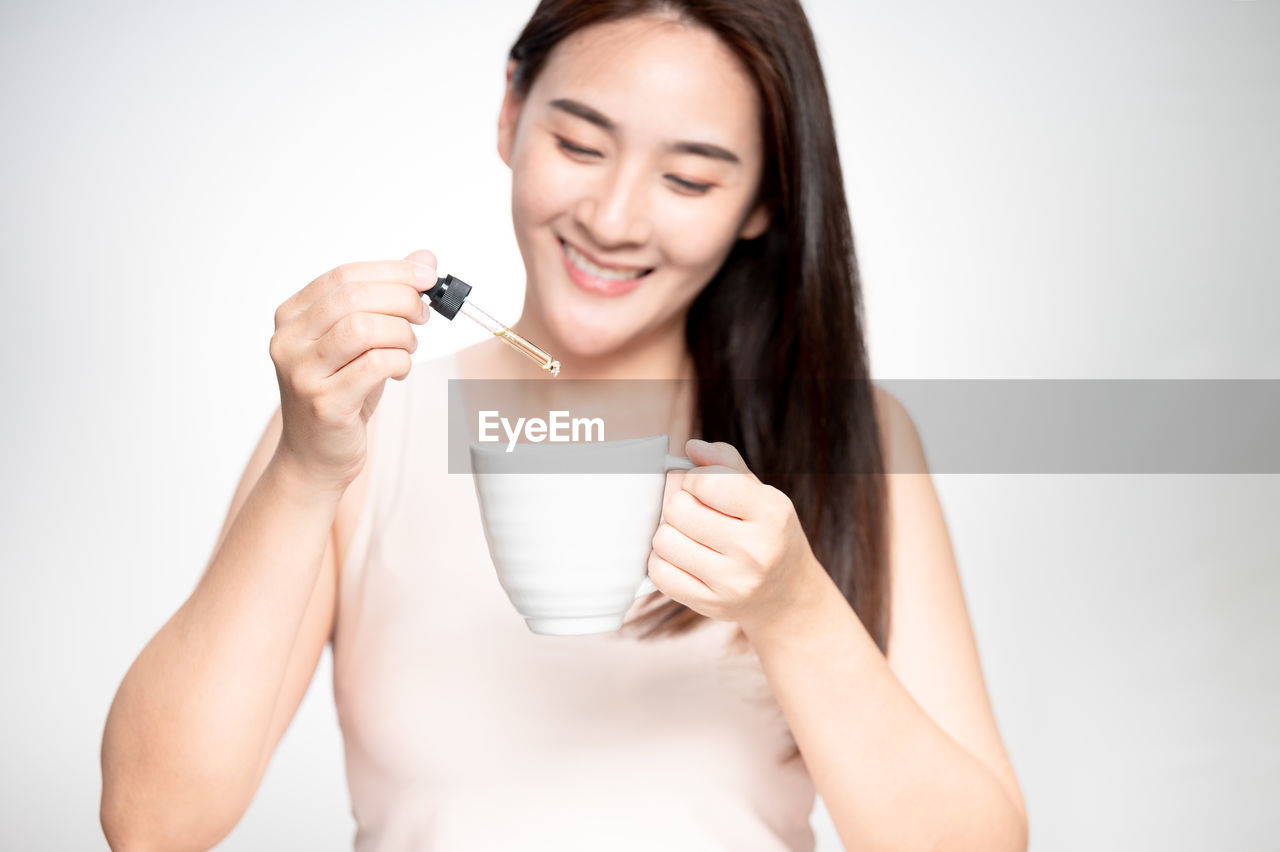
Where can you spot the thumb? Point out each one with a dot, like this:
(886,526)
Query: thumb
(703,453)
(422,256)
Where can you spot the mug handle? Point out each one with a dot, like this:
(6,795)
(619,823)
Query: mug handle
(671,463)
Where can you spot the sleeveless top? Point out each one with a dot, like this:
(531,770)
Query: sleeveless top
(463,730)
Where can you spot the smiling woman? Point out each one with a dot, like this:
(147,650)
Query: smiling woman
(678,202)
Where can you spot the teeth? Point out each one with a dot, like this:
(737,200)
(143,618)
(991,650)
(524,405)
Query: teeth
(608,274)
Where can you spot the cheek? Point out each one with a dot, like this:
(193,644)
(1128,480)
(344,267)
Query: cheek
(541,187)
(530,202)
(697,237)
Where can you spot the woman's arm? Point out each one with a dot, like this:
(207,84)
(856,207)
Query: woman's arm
(201,709)
(905,750)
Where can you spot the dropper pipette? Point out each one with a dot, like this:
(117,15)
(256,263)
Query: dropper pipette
(448,297)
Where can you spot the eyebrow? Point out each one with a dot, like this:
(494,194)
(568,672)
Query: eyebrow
(705,149)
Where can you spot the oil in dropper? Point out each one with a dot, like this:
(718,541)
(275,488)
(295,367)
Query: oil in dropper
(509,337)
(544,360)
(448,297)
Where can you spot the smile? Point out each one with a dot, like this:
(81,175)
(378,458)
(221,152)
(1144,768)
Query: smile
(611,273)
(603,280)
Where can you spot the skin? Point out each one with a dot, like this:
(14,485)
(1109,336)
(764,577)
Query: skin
(903,747)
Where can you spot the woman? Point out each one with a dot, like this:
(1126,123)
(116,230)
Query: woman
(678,202)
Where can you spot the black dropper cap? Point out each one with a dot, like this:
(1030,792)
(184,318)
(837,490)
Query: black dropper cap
(447,295)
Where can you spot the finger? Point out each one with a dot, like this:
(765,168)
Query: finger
(702,453)
(690,556)
(351,386)
(424,257)
(677,584)
(703,524)
(672,484)
(357,333)
(722,488)
(419,273)
(372,297)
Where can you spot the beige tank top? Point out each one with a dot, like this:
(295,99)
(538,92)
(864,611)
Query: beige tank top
(465,731)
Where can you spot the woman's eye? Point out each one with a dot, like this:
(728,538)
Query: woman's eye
(574,149)
(566,145)
(695,187)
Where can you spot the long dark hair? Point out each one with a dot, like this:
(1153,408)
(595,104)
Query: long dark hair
(776,336)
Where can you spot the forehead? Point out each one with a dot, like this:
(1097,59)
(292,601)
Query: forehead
(656,77)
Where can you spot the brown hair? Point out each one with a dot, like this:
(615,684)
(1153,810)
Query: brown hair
(776,335)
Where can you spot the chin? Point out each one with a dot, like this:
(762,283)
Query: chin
(578,343)
(590,336)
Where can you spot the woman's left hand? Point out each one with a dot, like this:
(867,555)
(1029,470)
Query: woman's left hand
(730,546)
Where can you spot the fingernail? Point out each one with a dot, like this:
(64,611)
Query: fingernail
(699,443)
(426,311)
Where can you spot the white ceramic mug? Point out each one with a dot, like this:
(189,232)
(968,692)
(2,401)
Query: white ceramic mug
(572,548)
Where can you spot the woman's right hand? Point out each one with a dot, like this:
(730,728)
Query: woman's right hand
(336,343)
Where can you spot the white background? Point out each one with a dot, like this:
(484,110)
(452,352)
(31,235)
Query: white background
(1075,190)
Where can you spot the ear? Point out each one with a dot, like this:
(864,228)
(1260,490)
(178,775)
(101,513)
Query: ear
(756,224)
(508,117)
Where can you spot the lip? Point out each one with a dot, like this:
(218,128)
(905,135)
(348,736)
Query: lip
(595,284)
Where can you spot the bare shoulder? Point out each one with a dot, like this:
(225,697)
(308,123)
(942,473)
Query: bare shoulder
(900,442)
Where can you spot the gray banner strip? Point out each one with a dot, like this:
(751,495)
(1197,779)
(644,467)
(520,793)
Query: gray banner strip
(1069,426)
(1095,426)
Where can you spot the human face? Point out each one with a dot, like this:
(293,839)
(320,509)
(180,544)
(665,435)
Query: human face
(600,163)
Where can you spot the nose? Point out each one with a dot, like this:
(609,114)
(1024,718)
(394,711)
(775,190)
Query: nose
(615,211)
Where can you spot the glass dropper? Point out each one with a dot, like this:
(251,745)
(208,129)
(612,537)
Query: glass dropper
(448,297)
